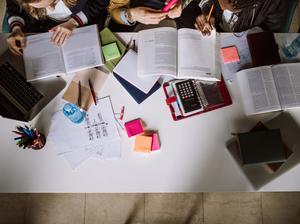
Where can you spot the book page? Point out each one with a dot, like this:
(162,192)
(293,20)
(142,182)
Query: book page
(196,55)
(258,90)
(287,79)
(41,57)
(82,50)
(157,52)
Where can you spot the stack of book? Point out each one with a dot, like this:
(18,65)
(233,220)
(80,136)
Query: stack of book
(262,146)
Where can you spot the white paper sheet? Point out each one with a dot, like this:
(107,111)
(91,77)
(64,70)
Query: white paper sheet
(96,135)
(127,69)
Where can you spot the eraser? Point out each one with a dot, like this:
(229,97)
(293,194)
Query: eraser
(134,127)
(143,143)
(230,54)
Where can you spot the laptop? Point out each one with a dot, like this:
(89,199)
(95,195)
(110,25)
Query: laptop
(19,99)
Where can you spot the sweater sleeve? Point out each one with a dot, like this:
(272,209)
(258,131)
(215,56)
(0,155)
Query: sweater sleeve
(91,11)
(15,14)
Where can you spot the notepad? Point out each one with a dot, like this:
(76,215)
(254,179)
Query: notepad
(111,51)
(143,143)
(134,127)
(230,54)
(155,145)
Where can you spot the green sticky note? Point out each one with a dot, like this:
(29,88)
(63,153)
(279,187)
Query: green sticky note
(108,37)
(111,51)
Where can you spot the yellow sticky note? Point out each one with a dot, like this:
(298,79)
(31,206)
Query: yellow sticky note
(143,143)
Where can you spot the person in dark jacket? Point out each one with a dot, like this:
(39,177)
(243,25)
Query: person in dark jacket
(58,16)
(234,15)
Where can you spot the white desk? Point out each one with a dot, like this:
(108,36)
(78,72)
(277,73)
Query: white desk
(193,156)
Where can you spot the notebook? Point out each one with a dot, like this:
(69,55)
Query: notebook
(138,95)
(263,48)
(263,146)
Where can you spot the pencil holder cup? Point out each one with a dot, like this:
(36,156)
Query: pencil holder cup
(74,113)
(28,137)
(39,142)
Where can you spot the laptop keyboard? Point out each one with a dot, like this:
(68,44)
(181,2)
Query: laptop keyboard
(16,86)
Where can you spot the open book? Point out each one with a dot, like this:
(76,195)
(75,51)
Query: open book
(81,51)
(270,88)
(183,53)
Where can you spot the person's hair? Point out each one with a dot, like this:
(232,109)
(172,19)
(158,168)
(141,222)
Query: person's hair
(40,13)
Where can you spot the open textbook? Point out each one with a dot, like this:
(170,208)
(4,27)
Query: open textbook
(81,51)
(270,88)
(183,53)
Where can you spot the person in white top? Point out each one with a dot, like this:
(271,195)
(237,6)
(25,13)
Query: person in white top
(60,17)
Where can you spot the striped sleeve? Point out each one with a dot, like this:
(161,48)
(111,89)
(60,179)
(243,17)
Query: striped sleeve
(80,18)
(15,14)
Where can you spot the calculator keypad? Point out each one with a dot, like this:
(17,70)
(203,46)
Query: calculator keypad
(188,95)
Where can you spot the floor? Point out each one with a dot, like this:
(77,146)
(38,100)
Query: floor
(181,208)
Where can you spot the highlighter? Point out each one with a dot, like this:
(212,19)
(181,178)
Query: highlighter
(169,5)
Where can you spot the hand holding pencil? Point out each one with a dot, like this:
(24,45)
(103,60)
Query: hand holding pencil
(206,23)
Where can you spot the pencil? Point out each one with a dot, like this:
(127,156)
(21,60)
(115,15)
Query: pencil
(93,92)
(210,12)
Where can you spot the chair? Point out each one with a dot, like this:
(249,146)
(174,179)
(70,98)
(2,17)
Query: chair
(5,25)
(287,23)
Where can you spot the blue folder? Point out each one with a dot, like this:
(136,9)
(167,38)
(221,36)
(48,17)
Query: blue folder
(138,95)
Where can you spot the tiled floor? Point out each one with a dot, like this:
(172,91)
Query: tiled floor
(181,208)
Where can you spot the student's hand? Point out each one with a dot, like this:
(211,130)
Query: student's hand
(147,15)
(175,11)
(203,25)
(63,31)
(16,41)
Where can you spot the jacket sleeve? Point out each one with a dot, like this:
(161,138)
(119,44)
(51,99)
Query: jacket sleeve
(15,14)
(91,11)
(205,5)
(276,13)
(115,7)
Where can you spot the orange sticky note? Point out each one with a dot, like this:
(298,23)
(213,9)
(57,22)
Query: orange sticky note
(143,143)
(230,54)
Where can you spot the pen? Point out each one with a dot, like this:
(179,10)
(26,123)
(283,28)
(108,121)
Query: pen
(93,92)
(79,94)
(122,113)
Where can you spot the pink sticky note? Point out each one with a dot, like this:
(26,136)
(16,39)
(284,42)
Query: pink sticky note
(155,142)
(134,127)
(230,54)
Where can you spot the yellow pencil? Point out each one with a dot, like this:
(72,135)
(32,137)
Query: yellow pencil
(210,12)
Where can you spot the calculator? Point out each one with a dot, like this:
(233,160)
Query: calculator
(187,96)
